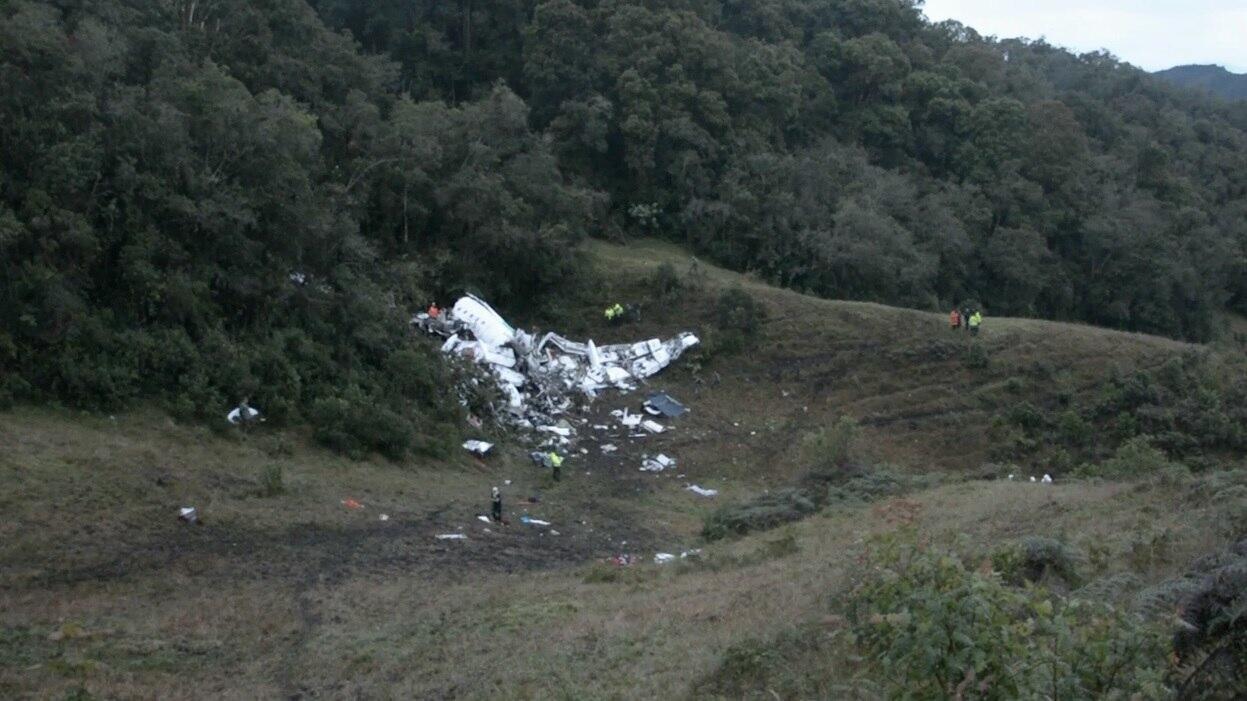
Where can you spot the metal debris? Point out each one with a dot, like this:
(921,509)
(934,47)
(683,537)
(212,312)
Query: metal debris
(658,463)
(452,536)
(702,491)
(661,403)
(188,514)
(540,376)
(477,447)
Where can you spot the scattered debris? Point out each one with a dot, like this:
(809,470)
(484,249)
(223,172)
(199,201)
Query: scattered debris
(702,491)
(477,447)
(652,426)
(352,504)
(662,558)
(539,375)
(384,517)
(235,416)
(452,536)
(609,448)
(660,403)
(483,518)
(1047,479)
(657,463)
(188,514)
(623,560)
(533,521)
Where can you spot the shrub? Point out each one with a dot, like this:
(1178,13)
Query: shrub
(739,317)
(977,357)
(272,480)
(826,450)
(937,629)
(665,281)
(1135,458)
(764,512)
(1037,559)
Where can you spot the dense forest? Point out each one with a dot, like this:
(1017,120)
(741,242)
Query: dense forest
(1215,79)
(206,199)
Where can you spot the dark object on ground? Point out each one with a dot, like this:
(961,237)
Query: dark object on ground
(665,405)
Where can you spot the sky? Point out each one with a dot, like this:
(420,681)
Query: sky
(1151,34)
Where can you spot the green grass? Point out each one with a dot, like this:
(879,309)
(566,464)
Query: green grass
(293,593)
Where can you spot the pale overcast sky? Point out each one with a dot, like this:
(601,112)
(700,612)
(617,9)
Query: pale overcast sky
(1151,34)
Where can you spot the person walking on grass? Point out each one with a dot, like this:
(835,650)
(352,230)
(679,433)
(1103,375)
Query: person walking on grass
(954,319)
(496,505)
(976,320)
(556,465)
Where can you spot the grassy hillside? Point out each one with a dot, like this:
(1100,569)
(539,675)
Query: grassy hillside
(289,593)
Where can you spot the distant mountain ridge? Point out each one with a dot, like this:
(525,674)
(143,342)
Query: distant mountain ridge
(1215,79)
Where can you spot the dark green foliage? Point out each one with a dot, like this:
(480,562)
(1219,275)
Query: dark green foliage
(1215,79)
(1211,600)
(739,318)
(1192,408)
(272,480)
(1038,559)
(209,201)
(852,149)
(767,511)
(937,629)
(202,201)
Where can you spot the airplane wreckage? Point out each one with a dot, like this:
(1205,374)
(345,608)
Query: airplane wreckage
(541,377)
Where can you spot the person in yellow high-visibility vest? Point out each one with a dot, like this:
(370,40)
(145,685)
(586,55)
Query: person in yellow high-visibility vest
(556,465)
(976,320)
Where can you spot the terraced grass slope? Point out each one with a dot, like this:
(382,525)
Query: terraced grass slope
(290,593)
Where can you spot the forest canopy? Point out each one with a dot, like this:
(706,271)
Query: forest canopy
(208,199)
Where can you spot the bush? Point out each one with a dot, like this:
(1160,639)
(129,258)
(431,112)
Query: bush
(1134,458)
(739,317)
(666,281)
(1037,559)
(826,451)
(272,482)
(764,512)
(937,629)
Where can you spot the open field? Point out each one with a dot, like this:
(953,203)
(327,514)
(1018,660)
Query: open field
(103,593)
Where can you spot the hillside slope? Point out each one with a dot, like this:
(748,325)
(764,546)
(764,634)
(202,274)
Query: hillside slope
(293,594)
(1215,79)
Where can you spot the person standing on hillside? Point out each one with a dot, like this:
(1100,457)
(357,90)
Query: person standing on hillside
(556,465)
(954,319)
(976,320)
(496,505)
(965,317)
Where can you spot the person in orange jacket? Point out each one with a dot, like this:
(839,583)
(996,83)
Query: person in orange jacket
(954,320)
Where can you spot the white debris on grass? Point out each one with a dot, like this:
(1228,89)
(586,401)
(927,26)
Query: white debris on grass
(658,463)
(538,376)
(609,448)
(663,558)
(1047,479)
(483,519)
(702,490)
(652,426)
(452,536)
(235,415)
(477,447)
